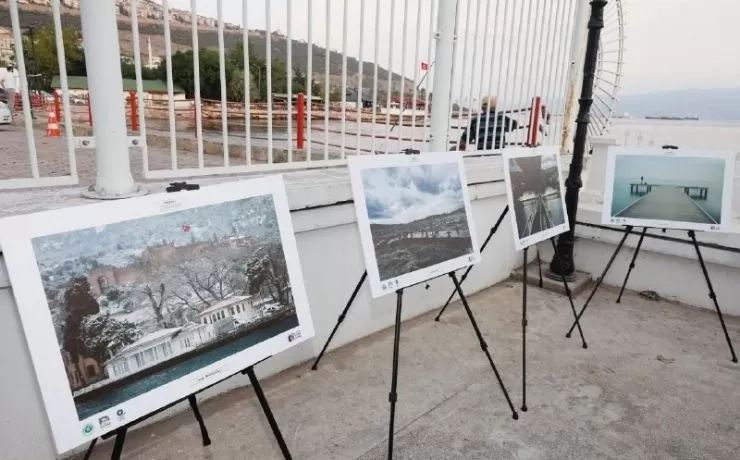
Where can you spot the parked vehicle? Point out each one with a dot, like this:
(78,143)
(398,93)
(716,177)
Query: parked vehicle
(5,116)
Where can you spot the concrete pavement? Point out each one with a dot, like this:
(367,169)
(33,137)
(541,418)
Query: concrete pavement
(655,383)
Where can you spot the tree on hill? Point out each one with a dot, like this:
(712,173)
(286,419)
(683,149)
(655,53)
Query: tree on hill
(40,51)
(104,333)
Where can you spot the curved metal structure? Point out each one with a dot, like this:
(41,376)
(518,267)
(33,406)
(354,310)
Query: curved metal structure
(608,69)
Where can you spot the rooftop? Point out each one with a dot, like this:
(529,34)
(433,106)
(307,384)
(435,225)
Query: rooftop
(655,382)
(223,303)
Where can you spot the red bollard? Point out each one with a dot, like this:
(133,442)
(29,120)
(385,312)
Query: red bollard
(134,111)
(300,118)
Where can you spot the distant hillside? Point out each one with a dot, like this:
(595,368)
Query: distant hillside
(208,38)
(709,104)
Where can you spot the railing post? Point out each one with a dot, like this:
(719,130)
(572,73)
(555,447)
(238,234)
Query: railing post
(300,116)
(575,73)
(442,83)
(134,111)
(89,108)
(105,85)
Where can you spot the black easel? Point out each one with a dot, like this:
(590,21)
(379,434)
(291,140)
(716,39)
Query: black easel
(393,395)
(120,433)
(340,319)
(627,231)
(524,313)
(694,242)
(494,229)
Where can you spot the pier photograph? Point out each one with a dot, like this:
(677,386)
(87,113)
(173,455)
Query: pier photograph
(668,189)
(535,195)
(141,303)
(418,217)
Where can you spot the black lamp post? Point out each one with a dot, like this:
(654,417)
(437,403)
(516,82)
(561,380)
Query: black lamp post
(564,265)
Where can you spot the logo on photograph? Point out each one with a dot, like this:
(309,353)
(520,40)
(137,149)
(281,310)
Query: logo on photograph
(383,286)
(294,336)
(88,429)
(121,414)
(104,421)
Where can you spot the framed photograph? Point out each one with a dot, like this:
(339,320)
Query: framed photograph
(534,188)
(130,305)
(414,217)
(665,188)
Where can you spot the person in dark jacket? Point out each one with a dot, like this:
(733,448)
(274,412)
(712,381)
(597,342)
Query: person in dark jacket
(491,134)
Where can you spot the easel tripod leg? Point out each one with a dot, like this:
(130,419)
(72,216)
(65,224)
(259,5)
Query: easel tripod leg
(268,413)
(340,319)
(712,295)
(539,266)
(483,344)
(524,331)
(627,232)
(118,444)
(632,264)
(196,411)
(568,293)
(494,229)
(90,448)
(393,396)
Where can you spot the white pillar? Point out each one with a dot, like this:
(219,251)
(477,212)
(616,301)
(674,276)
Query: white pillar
(596,170)
(575,73)
(442,83)
(105,85)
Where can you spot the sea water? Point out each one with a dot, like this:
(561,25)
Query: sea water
(669,171)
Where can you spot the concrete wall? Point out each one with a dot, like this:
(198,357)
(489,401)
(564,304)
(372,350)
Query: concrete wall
(332,263)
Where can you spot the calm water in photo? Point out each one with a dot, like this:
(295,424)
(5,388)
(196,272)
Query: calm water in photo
(122,394)
(669,171)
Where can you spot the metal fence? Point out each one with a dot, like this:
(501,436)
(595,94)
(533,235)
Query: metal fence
(365,68)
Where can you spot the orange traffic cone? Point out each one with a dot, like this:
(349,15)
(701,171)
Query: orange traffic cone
(52,127)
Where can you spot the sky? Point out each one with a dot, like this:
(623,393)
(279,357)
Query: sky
(670,44)
(669,170)
(402,194)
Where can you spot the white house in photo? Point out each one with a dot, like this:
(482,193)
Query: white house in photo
(226,314)
(157,347)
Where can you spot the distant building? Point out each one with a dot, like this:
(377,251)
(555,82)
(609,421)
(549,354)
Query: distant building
(83,372)
(154,90)
(7,51)
(157,347)
(226,315)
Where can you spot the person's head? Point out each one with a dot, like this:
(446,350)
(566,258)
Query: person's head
(9,68)
(489,103)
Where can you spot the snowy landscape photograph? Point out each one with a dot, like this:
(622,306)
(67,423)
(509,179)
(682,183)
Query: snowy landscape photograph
(140,303)
(418,218)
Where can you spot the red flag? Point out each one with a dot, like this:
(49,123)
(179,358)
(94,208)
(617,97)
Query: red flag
(424,65)
(186,228)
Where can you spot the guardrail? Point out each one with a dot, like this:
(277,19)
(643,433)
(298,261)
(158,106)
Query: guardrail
(375,91)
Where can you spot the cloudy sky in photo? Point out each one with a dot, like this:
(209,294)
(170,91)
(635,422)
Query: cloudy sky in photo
(402,194)
(670,44)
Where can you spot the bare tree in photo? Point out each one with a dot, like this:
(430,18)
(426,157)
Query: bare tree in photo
(152,285)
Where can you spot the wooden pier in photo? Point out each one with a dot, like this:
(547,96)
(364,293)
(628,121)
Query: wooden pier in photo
(643,188)
(674,203)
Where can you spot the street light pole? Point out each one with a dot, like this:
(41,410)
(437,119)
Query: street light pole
(565,264)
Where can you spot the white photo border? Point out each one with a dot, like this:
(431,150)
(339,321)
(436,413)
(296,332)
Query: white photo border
(725,226)
(16,234)
(359,163)
(522,152)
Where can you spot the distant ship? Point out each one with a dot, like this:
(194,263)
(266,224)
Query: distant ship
(692,118)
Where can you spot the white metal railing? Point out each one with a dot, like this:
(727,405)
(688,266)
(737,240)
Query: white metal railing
(14,177)
(515,49)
